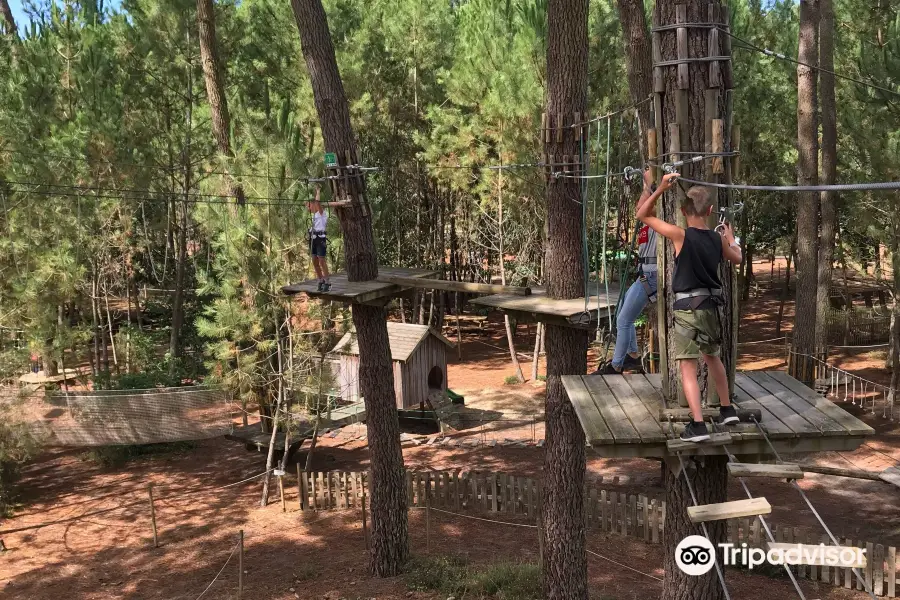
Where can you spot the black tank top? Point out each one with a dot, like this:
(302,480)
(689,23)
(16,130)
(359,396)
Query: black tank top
(697,265)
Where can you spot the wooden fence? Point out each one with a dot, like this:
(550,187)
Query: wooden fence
(634,515)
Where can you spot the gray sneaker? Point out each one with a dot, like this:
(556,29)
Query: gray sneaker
(728,415)
(695,432)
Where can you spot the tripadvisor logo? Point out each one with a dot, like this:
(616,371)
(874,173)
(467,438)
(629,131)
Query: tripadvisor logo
(695,555)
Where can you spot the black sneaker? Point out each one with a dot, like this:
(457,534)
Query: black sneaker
(695,432)
(607,369)
(326,287)
(727,415)
(321,287)
(632,364)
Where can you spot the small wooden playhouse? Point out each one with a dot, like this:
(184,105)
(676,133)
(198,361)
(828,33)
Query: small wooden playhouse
(419,356)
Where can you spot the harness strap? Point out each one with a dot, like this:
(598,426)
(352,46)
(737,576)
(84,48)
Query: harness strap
(651,293)
(699,292)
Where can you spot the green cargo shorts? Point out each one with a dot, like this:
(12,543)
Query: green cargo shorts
(697,332)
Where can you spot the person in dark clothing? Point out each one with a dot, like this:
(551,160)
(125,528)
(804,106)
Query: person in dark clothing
(698,297)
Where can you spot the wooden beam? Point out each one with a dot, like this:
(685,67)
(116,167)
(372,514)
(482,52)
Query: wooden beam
(715,439)
(455,286)
(891,475)
(683,415)
(765,470)
(729,510)
(840,472)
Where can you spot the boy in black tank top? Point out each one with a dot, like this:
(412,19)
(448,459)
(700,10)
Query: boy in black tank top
(698,296)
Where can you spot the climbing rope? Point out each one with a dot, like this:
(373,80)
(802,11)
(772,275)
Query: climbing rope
(732,459)
(687,480)
(603,229)
(796,485)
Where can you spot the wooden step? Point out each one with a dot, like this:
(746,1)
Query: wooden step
(683,415)
(891,475)
(715,439)
(729,510)
(813,554)
(763,470)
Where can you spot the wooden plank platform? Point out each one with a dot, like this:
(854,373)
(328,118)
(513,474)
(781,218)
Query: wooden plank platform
(729,510)
(540,307)
(620,417)
(359,292)
(764,470)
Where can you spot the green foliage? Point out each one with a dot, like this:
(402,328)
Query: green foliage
(511,380)
(117,456)
(455,575)
(18,444)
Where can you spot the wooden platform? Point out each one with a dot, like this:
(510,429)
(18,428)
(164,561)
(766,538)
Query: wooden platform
(620,417)
(359,292)
(252,435)
(539,307)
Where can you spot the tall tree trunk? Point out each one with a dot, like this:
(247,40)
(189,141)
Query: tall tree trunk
(564,566)
(175,345)
(803,340)
(638,65)
(10,27)
(895,318)
(828,200)
(214,75)
(692,95)
(390,538)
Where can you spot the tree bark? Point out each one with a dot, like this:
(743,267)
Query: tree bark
(828,200)
(390,543)
(638,65)
(895,319)
(803,339)
(709,478)
(10,27)
(181,263)
(564,564)
(214,76)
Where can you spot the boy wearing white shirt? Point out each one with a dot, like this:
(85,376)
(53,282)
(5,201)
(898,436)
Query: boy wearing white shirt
(318,242)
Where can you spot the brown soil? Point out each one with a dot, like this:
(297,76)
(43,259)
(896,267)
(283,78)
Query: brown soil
(110,555)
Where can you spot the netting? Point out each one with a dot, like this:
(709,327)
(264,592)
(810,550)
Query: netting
(104,418)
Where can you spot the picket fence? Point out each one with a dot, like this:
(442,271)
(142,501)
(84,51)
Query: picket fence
(633,515)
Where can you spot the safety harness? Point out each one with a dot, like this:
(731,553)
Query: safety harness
(698,296)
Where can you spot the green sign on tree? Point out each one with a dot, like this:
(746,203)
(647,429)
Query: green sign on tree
(331,159)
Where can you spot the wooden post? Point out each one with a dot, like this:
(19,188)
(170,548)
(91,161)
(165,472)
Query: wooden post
(299,487)
(241,565)
(153,515)
(365,526)
(427,521)
(281,491)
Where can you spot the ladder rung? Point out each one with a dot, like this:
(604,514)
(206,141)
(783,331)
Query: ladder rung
(715,439)
(764,470)
(811,554)
(729,510)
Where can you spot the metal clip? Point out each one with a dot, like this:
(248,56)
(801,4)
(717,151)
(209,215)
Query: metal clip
(632,174)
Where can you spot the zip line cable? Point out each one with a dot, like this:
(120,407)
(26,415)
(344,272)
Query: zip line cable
(748,45)
(842,187)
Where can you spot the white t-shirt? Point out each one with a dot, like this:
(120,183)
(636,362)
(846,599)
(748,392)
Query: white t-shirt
(320,220)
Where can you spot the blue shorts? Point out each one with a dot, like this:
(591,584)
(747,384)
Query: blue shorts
(317,246)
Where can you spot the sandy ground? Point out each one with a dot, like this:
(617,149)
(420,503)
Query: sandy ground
(307,555)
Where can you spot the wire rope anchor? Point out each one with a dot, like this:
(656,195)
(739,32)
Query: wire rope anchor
(632,174)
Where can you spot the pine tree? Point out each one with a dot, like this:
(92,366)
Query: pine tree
(390,541)
(565,566)
(803,336)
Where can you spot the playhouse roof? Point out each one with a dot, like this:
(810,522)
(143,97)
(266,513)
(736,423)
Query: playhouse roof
(404,339)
